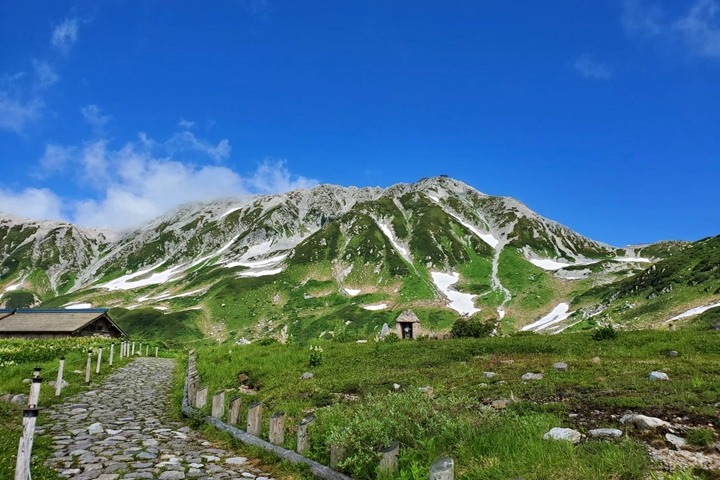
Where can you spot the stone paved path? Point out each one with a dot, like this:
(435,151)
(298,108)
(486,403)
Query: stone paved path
(122,431)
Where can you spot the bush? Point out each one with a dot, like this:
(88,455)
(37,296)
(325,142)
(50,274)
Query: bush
(266,341)
(604,333)
(391,338)
(472,328)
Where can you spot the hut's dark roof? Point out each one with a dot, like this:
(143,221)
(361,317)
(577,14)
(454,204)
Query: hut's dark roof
(47,321)
(408,316)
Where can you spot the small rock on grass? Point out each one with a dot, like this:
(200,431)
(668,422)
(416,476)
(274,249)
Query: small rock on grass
(19,399)
(560,366)
(532,376)
(306,376)
(677,442)
(658,376)
(567,434)
(489,374)
(643,422)
(605,433)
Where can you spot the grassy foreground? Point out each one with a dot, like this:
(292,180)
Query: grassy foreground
(358,407)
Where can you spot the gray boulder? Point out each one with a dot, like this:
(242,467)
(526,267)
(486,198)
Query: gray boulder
(532,376)
(26,381)
(567,434)
(19,399)
(384,331)
(560,366)
(605,433)
(489,374)
(63,383)
(658,376)
(675,441)
(95,428)
(673,353)
(306,376)
(643,422)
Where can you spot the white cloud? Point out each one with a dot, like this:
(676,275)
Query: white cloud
(589,68)
(272,176)
(92,115)
(188,141)
(41,204)
(95,163)
(185,124)
(55,159)
(700,28)
(66,34)
(45,74)
(143,179)
(16,112)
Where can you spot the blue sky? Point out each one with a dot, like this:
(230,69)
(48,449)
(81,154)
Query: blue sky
(601,115)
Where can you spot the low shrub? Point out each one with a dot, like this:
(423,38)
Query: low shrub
(702,437)
(604,333)
(472,328)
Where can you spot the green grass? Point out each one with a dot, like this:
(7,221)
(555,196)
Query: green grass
(353,397)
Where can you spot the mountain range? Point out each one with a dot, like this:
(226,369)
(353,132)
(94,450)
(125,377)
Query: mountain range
(331,259)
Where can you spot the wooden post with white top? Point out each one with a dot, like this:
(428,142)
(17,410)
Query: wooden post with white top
(112,353)
(59,381)
(22,465)
(99,360)
(87,367)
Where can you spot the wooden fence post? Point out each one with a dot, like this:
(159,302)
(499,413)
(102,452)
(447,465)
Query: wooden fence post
(156,352)
(112,353)
(277,428)
(193,391)
(254,420)
(35,387)
(133,349)
(140,350)
(201,397)
(389,459)
(443,469)
(218,405)
(99,359)
(147,350)
(34,391)
(87,368)
(22,465)
(234,410)
(58,382)
(303,440)
(337,455)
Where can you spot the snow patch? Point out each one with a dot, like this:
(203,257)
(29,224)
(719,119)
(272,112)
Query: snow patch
(268,262)
(633,259)
(434,199)
(229,212)
(501,312)
(485,237)
(77,306)
(352,292)
(462,303)
(389,234)
(694,311)
(126,282)
(260,273)
(381,306)
(12,287)
(558,314)
(548,264)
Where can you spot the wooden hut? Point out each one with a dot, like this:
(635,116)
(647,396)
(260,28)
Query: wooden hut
(46,324)
(407,325)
